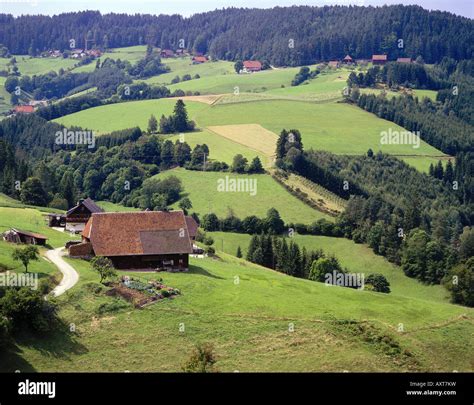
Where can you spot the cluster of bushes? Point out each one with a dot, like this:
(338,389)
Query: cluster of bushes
(240,165)
(25,310)
(184,78)
(272,223)
(303,75)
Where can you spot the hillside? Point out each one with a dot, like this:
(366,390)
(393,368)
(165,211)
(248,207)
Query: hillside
(201,188)
(251,323)
(361,30)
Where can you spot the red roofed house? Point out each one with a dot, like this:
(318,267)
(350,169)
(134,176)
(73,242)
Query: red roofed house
(199,59)
(252,66)
(404,60)
(379,59)
(77,216)
(24,109)
(137,240)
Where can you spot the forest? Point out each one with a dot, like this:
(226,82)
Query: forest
(284,36)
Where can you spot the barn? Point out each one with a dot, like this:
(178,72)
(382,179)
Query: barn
(147,240)
(15,235)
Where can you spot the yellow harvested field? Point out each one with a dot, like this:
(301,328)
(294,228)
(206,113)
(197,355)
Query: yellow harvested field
(253,136)
(207,99)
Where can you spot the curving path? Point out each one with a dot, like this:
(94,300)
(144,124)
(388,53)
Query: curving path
(70,276)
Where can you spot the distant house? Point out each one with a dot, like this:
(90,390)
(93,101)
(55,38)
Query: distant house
(404,60)
(18,236)
(348,60)
(199,59)
(152,240)
(24,109)
(77,216)
(167,53)
(252,66)
(333,64)
(379,59)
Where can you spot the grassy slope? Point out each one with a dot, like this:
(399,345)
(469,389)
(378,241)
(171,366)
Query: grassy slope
(28,219)
(356,257)
(338,128)
(114,117)
(130,53)
(4,97)
(183,66)
(248,323)
(31,219)
(36,66)
(220,148)
(201,187)
(227,83)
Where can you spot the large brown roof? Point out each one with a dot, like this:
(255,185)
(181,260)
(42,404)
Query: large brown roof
(379,57)
(138,233)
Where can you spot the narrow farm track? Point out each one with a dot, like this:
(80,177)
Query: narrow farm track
(70,276)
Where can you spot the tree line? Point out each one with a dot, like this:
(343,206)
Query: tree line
(282,35)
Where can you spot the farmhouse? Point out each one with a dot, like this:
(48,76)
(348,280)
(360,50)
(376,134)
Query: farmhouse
(18,236)
(199,59)
(404,60)
(334,64)
(24,109)
(137,240)
(379,59)
(252,66)
(77,216)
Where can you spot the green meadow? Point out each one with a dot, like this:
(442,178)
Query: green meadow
(220,148)
(232,82)
(5,96)
(357,258)
(114,117)
(201,188)
(256,319)
(182,66)
(131,53)
(335,127)
(37,66)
